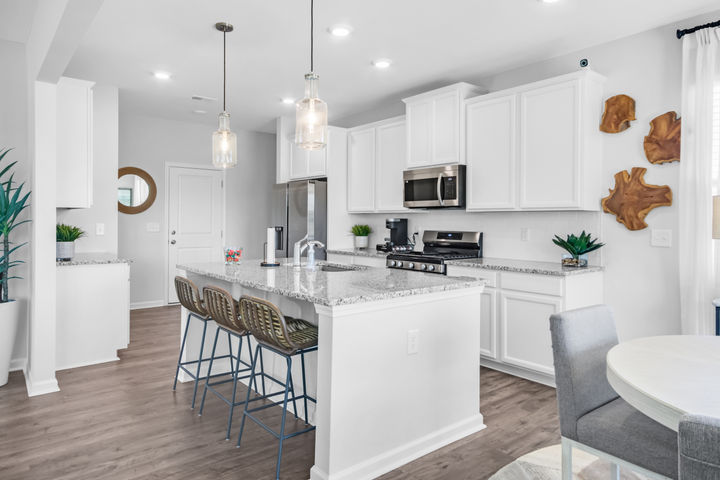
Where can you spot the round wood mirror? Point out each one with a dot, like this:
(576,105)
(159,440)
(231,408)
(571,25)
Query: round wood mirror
(136,190)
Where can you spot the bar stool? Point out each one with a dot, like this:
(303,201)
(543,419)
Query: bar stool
(224,310)
(287,337)
(189,297)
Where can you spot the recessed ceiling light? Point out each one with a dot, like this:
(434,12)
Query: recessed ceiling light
(162,75)
(200,112)
(382,63)
(288,101)
(547,1)
(340,30)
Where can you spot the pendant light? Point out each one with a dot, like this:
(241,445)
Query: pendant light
(224,154)
(311,128)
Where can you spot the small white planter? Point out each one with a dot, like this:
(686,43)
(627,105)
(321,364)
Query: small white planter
(9,318)
(361,242)
(64,250)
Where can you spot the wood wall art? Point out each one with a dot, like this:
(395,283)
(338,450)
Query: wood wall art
(662,145)
(619,112)
(632,199)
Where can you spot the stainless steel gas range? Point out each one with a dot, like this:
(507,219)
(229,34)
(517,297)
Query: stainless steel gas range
(439,246)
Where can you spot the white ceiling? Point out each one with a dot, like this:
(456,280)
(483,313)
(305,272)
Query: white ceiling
(16,17)
(431,43)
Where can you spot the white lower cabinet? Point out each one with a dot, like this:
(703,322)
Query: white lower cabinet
(488,323)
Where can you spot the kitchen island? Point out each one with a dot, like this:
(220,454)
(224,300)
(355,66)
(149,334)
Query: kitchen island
(397,371)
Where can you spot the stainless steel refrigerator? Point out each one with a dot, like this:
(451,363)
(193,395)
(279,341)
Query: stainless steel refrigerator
(306,213)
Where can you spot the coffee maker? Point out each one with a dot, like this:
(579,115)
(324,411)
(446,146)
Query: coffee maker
(398,240)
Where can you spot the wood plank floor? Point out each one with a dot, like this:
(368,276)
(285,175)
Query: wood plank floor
(121,420)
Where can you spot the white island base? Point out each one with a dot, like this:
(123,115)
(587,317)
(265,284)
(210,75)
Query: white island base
(396,377)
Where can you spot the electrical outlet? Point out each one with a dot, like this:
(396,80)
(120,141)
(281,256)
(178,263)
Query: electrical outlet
(661,238)
(524,234)
(413,342)
(99,229)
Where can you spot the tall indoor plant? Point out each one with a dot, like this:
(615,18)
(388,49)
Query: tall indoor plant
(12,202)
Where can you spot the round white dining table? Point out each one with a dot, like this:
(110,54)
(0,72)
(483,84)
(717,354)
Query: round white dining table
(669,376)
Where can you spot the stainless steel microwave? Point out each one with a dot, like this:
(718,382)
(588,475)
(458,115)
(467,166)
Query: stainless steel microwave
(435,187)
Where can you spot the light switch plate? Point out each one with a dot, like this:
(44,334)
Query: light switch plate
(413,342)
(99,229)
(661,238)
(152,227)
(524,234)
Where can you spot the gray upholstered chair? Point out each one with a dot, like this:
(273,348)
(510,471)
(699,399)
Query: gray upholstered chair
(699,445)
(592,416)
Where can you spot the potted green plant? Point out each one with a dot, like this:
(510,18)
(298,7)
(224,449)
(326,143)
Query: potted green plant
(577,246)
(12,202)
(361,233)
(65,236)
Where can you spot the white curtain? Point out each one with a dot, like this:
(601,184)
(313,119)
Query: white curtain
(698,174)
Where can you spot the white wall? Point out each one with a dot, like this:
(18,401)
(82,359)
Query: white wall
(13,133)
(105,167)
(641,281)
(148,143)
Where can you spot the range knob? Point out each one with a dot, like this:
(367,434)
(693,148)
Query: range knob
(423,267)
(411,265)
(431,268)
(392,263)
(399,263)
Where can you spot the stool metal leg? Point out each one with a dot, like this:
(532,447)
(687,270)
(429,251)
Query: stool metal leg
(292,386)
(232,367)
(197,375)
(247,398)
(236,374)
(182,349)
(288,385)
(262,369)
(304,385)
(207,379)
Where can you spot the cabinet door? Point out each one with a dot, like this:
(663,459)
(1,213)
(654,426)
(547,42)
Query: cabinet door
(446,129)
(549,146)
(298,161)
(74,144)
(389,165)
(316,162)
(525,330)
(488,324)
(491,161)
(361,170)
(419,118)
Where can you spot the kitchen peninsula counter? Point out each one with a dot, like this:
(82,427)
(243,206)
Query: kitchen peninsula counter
(396,371)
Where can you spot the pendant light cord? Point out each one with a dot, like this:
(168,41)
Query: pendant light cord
(224,68)
(312,36)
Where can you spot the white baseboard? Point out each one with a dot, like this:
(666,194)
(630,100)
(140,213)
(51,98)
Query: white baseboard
(18,364)
(536,377)
(150,304)
(86,364)
(387,461)
(40,388)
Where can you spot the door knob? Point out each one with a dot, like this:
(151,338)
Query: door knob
(172,233)
(172,242)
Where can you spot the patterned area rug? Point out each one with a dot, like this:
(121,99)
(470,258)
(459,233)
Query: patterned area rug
(544,464)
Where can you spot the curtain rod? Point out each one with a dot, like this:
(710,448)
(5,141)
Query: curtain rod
(682,33)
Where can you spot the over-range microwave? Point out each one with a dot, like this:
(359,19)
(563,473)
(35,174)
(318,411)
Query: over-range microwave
(435,187)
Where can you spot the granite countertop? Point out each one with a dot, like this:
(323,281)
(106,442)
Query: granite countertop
(92,259)
(360,252)
(498,264)
(359,284)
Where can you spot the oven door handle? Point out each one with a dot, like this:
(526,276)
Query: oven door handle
(439,190)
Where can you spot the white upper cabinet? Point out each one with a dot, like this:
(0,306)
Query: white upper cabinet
(433,128)
(491,142)
(537,146)
(376,160)
(293,162)
(74,143)
(361,170)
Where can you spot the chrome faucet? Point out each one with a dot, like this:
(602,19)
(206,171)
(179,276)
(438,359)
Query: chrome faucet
(298,249)
(311,245)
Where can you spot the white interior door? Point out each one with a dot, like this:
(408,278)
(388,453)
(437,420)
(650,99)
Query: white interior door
(195,219)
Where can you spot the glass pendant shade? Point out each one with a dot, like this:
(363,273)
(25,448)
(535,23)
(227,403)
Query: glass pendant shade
(224,153)
(311,126)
